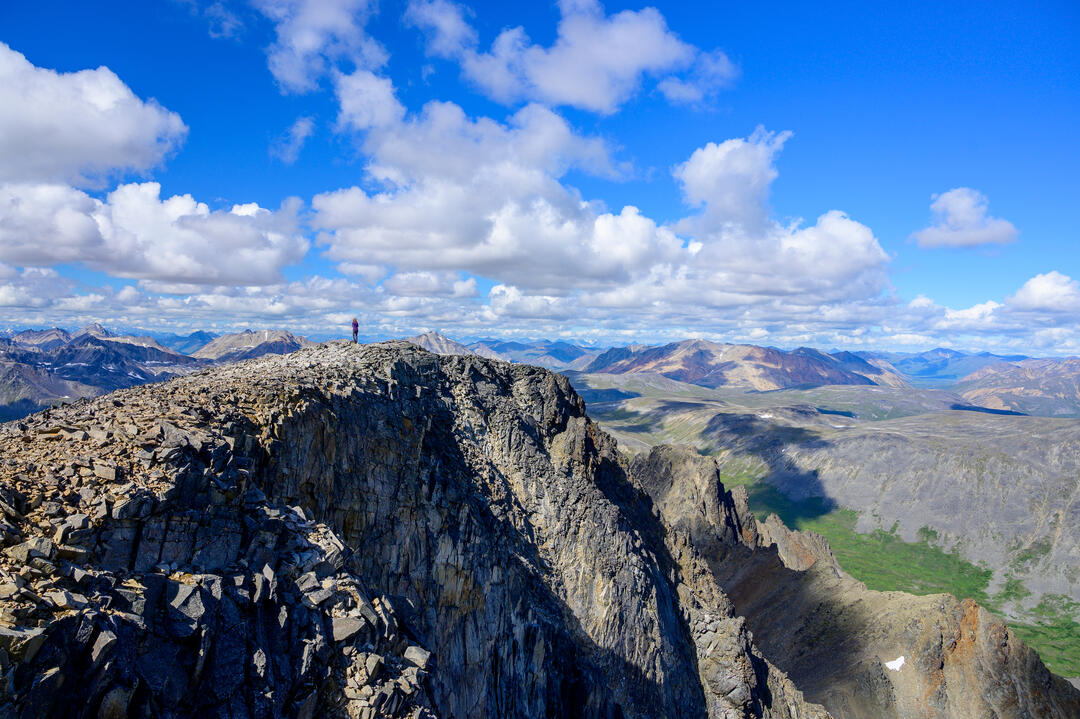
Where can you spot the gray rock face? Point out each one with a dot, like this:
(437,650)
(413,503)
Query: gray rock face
(837,640)
(354,531)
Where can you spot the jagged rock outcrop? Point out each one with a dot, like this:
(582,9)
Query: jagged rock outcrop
(354,531)
(838,641)
(145,575)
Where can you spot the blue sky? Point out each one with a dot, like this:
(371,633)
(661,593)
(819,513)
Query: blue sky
(838,174)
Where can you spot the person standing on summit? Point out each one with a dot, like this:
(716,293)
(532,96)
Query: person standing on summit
(355,329)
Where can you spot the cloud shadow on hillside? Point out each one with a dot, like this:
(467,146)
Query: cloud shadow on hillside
(796,494)
(986,410)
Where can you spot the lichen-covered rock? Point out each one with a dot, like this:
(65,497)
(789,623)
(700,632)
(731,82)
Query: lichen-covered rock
(353,531)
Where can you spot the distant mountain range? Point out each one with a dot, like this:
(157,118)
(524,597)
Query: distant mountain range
(746,366)
(440,344)
(39,368)
(187,344)
(42,367)
(1047,387)
(248,345)
(984,381)
(1016,383)
(939,367)
(557,355)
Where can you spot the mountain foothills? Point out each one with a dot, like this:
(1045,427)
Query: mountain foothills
(1046,387)
(376,530)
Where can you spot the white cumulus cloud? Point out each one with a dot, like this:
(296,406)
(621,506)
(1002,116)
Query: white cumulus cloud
(47,224)
(77,127)
(288,147)
(961,219)
(509,303)
(134,233)
(314,35)
(597,61)
(488,199)
(981,316)
(430,284)
(1049,292)
(367,101)
(730,180)
(449,33)
(485,197)
(32,287)
(710,73)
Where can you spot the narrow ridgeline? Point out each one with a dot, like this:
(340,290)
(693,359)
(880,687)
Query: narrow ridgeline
(361,531)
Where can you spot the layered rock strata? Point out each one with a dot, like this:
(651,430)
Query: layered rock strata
(353,531)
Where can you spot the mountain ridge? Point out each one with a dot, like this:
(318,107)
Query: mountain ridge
(465,521)
(759,368)
(1048,387)
(1054,392)
(440,344)
(496,491)
(50,366)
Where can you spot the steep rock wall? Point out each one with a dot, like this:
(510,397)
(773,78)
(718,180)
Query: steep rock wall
(832,635)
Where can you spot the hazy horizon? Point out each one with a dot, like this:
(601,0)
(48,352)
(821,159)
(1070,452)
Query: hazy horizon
(522,337)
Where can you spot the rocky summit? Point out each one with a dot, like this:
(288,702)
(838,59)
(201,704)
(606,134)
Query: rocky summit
(362,531)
